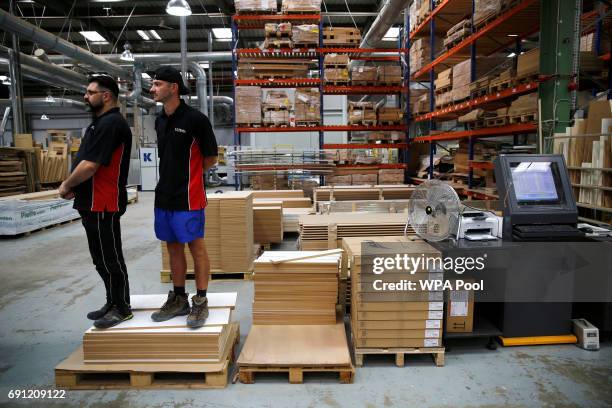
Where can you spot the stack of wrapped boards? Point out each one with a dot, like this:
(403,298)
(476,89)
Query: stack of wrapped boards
(303,291)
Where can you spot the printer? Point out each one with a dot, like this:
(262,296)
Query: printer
(477,225)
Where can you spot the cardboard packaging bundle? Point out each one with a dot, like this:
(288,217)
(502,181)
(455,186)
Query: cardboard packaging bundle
(457,32)
(390,74)
(293,6)
(422,104)
(276,118)
(444,79)
(390,176)
(305,34)
(363,75)
(337,75)
(341,36)
(389,115)
(262,68)
(364,179)
(528,63)
(295,292)
(336,60)
(246,6)
(269,182)
(276,99)
(420,52)
(361,113)
(388,319)
(248,105)
(278,35)
(307,105)
(338,180)
(524,104)
(486,9)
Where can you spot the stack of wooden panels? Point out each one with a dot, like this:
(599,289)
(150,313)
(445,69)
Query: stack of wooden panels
(261,68)
(278,194)
(140,340)
(384,320)
(303,291)
(268,224)
(18,170)
(228,234)
(352,193)
(325,231)
(287,202)
(375,206)
(291,218)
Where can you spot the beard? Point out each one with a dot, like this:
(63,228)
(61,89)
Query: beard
(95,108)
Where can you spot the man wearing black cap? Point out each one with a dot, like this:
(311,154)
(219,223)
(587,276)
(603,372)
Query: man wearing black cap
(187,149)
(97,184)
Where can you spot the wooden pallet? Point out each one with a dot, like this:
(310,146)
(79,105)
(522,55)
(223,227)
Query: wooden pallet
(47,227)
(436,352)
(337,83)
(345,43)
(524,79)
(248,124)
(74,374)
(524,118)
(306,45)
(246,374)
(390,123)
(332,65)
(478,124)
(266,108)
(166,276)
(276,124)
(443,89)
(303,11)
(364,83)
(390,83)
(477,93)
(244,12)
(363,123)
(498,121)
(498,86)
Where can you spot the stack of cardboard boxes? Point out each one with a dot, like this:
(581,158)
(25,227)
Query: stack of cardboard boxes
(248,105)
(307,106)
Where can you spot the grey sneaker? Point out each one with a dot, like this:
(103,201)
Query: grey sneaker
(98,314)
(199,312)
(176,305)
(113,317)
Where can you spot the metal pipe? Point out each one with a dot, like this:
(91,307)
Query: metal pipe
(43,103)
(16,81)
(183,34)
(386,18)
(219,56)
(211,107)
(47,77)
(49,41)
(7,112)
(201,83)
(137,90)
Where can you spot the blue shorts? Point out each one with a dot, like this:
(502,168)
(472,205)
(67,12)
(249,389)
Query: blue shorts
(179,226)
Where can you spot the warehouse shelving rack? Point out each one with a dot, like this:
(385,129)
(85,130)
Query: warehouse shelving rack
(520,19)
(247,21)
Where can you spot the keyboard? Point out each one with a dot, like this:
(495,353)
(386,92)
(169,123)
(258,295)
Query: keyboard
(547,231)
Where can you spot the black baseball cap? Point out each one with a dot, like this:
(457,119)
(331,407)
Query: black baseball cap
(169,74)
(105,81)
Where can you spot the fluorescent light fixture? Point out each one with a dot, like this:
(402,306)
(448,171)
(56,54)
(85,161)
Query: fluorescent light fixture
(50,98)
(154,35)
(44,117)
(178,8)
(392,34)
(93,36)
(146,76)
(512,35)
(222,34)
(511,55)
(143,35)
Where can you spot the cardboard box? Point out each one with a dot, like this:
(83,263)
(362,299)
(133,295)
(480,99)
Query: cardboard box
(341,36)
(307,105)
(336,59)
(390,74)
(364,74)
(528,63)
(460,311)
(243,6)
(289,6)
(248,104)
(23,140)
(337,75)
(485,9)
(305,34)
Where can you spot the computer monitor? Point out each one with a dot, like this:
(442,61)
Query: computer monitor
(535,189)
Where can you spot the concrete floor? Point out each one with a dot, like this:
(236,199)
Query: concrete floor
(48,284)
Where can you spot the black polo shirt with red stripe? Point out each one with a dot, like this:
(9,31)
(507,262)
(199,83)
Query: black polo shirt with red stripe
(184,138)
(108,142)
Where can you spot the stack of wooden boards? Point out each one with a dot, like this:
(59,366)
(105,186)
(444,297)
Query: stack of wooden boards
(325,231)
(341,36)
(268,223)
(393,322)
(228,235)
(376,206)
(266,68)
(294,318)
(18,171)
(141,346)
(292,204)
(352,193)
(304,291)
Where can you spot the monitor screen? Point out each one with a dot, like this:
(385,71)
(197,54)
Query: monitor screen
(536,182)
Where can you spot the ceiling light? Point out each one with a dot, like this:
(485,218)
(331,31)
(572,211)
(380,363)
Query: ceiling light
(512,35)
(178,8)
(392,34)
(44,117)
(93,36)
(222,34)
(511,55)
(154,35)
(127,55)
(50,98)
(143,35)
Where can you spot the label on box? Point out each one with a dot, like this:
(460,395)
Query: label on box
(432,334)
(433,324)
(458,308)
(302,97)
(436,305)
(431,342)
(435,314)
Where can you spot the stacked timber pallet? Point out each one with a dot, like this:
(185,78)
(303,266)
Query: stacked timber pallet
(301,6)
(13,172)
(278,35)
(393,322)
(375,206)
(248,105)
(336,69)
(420,53)
(276,108)
(379,192)
(457,33)
(269,182)
(307,107)
(341,36)
(305,35)
(389,75)
(304,291)
(228,237)
(389,116)
(524,109)
(267,68)
(291,218)
(294,314)
(140,347)
(325,231)
(361,113)
(364,75)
